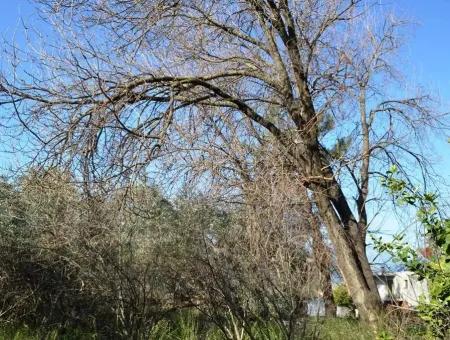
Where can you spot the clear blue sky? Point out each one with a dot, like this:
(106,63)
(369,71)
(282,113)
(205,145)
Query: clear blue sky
(425,58)
(11,12)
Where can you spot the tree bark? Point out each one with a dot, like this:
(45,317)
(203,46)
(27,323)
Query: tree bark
(351,264)
(346,235)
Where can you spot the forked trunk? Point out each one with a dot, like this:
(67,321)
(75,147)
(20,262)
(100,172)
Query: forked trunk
(360,283)
(347,237)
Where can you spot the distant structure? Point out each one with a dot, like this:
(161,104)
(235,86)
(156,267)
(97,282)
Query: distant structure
(401,288)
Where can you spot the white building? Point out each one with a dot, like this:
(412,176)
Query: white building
(396,288)
(401,288)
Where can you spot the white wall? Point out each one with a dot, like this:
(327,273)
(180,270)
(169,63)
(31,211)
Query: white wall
(383,290)
(407,287)
(316,307)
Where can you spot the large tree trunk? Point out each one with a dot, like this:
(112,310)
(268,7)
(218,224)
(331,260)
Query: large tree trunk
(351,265)
(346,235)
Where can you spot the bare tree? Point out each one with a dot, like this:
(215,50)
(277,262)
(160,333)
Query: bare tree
(126,80)
(254,270)
(257,176)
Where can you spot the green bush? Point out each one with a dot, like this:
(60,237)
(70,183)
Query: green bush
(435,311)
(341,296)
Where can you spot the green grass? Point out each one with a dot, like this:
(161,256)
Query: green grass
(336,328)
(186,326)
(9,332)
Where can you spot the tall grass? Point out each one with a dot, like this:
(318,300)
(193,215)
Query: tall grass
(188,326)
(10,332)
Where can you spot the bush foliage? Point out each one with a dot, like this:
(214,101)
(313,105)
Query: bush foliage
(341,296)
(126,264)
(435,310)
